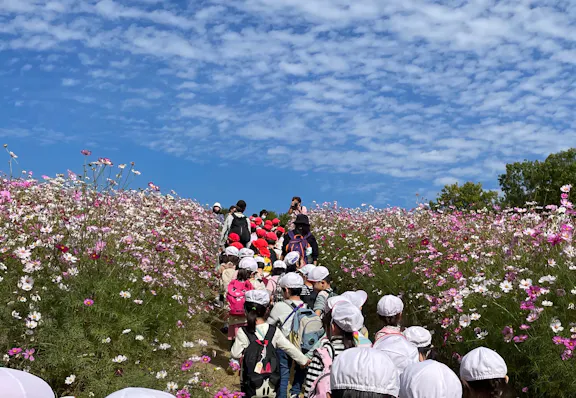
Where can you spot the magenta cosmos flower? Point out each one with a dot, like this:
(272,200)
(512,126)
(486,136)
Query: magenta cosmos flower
(88,302)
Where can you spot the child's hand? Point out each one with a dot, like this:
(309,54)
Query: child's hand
(306,365)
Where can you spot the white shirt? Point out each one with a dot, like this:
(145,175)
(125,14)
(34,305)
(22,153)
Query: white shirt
(278,341)
(280,312)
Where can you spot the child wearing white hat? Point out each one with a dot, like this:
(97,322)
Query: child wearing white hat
(246,269)
(483,373)
(390,312)
(273,287)
(358,298)
(429,379)
(363,372)
(400,350)
(282,315)
(308,294)
(18,384)
(320,277)
(139,393)
(422,339)
(342,334)
(255,334)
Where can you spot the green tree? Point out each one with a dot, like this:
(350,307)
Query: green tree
(467,196)
(536,181)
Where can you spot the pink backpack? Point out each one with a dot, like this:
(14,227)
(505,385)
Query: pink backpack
(236,296)
(321,385)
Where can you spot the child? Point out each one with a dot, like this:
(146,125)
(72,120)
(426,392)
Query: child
(422,339)
(258,342)
(245,253)
(390,312)
(228,264)
(342,334)
(282,315)
(363,373)
(271,239)
(320,276)
(429,379)
(247,267)
(483,373)
(308,294)
(256,279)
(273,287)
(292,261)
(358,298)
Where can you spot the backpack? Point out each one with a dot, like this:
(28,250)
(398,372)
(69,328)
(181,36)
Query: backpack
(307,327)
(240,226)
(236,296)
(298,243)
(260,366)
(321,385)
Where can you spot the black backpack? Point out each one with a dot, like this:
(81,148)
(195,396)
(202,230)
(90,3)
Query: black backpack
(240,226)
(270,371)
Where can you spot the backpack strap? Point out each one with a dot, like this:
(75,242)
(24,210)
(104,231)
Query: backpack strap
(291,235)
(251,336)
(270,334)
(294,310)
(325,357)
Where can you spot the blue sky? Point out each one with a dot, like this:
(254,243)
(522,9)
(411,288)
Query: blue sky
(363,101)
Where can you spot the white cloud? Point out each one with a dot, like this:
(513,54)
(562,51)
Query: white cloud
(441,181)
(70,82)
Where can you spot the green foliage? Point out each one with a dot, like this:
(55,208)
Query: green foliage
(469,196)
(540,182)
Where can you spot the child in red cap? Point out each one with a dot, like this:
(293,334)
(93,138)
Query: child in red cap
(261,233)
(271,239)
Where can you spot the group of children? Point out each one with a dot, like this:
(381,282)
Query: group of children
(294,330)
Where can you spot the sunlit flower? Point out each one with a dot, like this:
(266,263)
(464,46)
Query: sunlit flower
(506,286)
(125,295)
(120,359)
(88,302)
(556,326)
(70,379)
(171,386)
(161,374)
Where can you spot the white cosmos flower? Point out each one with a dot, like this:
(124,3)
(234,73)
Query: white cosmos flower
(171,386)
(164,346)
(475,316)
(162,374)
(194,380)
(506,286)
(566,188)
(556,326)
(547,303)
(139,337)
(188,344)
(525,284)
(126,331)
(125,295)
(202,343)
(464,321)
(31,324)
(139,302)
(106,340)
(120,359)
(35,316)
(70,379)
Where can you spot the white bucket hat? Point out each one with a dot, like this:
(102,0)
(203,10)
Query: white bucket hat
(232,251)
(291,280)
(358,297)
(482,364)
(364,369)
(18,384)
(390,305)
(347,317)
(279,264)
(429,379)
(418,336)
(400,351)
(261,297)
(139,393)
(248,263)
(244,252)
(333,301)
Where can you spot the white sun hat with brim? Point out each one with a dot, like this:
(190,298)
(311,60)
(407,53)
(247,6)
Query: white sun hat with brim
(291,280)
(232,251)
(366,370)
(245,252)
(429,379)
(418,336)
(358,297)
(482,364)
(318,274)
(248,263)
(401,351)
(18,384)
(292,258)
(261,297)
(134,392)
(305,270)
(217,204)
(390,305)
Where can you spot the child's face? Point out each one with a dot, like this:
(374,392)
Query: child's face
(320,286)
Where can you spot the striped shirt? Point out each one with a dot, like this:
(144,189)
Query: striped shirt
(334,346)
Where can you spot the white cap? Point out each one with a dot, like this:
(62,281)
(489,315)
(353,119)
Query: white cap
(261,297)
(332,301)
(248,263)
(418,336)
(364,369)
(19,384)
(482,364)
(217,204)
(292,258)
(245,252)
(390,305)
(318,274)
(305,270)
(358,298)
(291,281)
(259,259)
(347,317)
(400,351)
(279,264)
(139,393)
(429,379)
(232,251)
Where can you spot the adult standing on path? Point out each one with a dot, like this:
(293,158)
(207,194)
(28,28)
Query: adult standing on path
(300,239)
(217,210)
(296,207)
(237,223)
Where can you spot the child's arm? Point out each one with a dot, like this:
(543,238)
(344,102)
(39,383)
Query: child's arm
(320,303)
(240,344)
(285,345)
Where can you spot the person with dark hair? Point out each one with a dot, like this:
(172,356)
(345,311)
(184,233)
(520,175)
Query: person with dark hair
(296,206)
(302,240)
(236,223)
(260,341)
(217,211)
(390,313)
(282,316)
(232,209)
(483,373)
(320,277)
(429,379)
(263,214)
(363,373)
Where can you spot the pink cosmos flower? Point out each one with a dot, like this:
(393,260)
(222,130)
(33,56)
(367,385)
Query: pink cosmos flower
(88,302)
(187,365)
(206,359)
(105,161)
(182,394)
(14,351)
(29,354)
(86,152)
